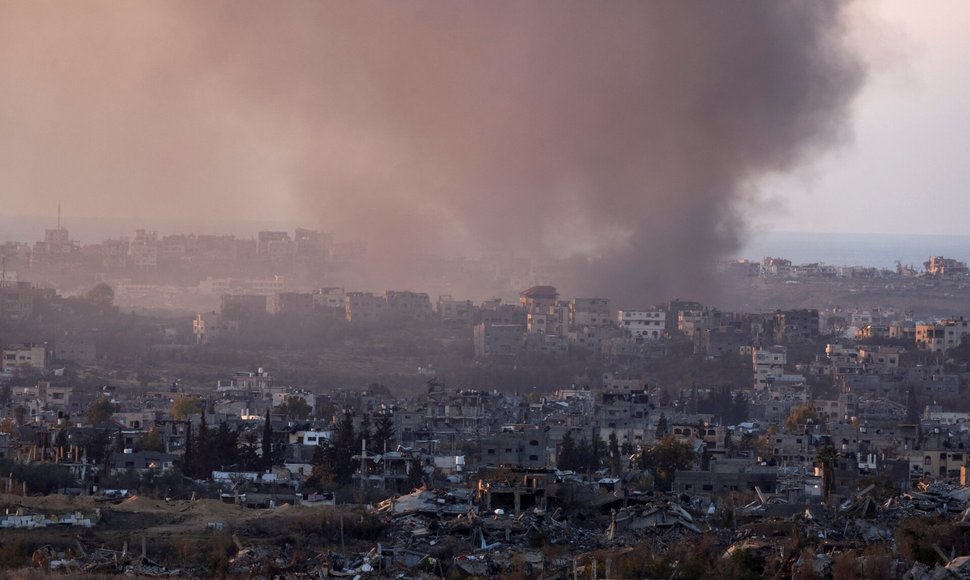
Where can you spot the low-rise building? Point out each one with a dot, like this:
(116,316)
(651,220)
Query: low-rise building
(455,312)
(31,355)
(364,307)
(408,305)
(498,339)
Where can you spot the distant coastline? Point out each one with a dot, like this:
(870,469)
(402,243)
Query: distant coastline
(845,249)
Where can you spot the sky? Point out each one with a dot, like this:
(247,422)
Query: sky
(909,128)
(905,168)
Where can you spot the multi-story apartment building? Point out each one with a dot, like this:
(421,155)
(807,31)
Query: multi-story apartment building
(17,300)
(410,305)
(769,364)
(456,312)
(498,339)
(538,298)
(143,249)
(332,298)
(796,325)
(940,266)
(364,307)
(290,303)
(943,335)
(649,324)
(240,306)
(590,312)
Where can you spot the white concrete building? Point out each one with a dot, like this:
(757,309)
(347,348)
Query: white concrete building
(768,365)
(643,323)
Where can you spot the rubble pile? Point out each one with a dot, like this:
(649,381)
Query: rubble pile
(428,525)
(435,533)
(100,560)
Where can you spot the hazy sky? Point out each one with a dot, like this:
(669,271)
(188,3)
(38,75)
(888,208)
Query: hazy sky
(910,125)
(600,134)
(906,169)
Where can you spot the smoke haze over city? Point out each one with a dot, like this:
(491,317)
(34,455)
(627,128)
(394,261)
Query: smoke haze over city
(611,141)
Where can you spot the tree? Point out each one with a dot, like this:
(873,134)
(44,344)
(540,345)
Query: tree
(96,445)
(224,448)
(101,298)
(595,458)
(664,459)
(151,441)
(100,411)
(739,408)
(747,441)
(340,452)
(583,454)
(662,426)
(320,473)
(20,415)
(295,408)
(203,456)
(267,447)
(804,414)
(249,451)
(100,294)
(567,459)
(384,433)
(825,459)
(188,456)
(613,448)
(185,407)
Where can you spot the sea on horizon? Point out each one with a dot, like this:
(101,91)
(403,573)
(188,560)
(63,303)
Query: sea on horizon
(850,249)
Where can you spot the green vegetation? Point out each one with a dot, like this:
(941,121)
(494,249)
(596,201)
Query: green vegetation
(100,411)
(664,458)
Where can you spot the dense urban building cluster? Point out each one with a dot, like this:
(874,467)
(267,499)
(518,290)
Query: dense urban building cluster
(543,435)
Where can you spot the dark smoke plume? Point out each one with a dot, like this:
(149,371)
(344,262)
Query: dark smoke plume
(616,142)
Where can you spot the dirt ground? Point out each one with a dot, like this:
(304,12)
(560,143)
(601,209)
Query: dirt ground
(160,522)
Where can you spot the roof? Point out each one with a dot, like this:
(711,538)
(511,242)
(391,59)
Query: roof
(540,292)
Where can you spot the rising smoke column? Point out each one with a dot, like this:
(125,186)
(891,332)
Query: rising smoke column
(615,141)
